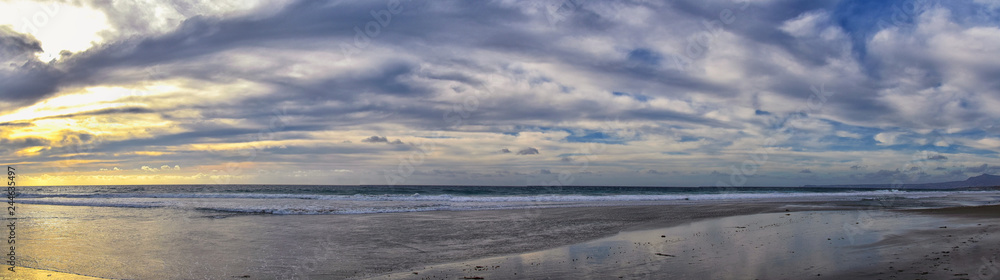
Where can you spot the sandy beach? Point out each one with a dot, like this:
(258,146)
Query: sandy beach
(951,243)
(24,273)
(764,239)
(148,243)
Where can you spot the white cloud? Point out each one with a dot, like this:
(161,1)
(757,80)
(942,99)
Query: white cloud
(805,24)
(988,143)
(846,134)
(887,138)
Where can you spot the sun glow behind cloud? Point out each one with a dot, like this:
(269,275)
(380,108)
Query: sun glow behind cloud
(88,100)
(59,26)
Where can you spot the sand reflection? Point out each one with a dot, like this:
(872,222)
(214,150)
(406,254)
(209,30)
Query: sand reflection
(764,246)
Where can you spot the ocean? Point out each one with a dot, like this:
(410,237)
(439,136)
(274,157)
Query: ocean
(312,199)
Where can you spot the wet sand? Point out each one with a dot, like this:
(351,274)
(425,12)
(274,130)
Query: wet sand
(161,243)
(24,273)
(986,211)
(716,239)
(953,243)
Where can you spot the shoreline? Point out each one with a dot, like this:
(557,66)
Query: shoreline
(26,273)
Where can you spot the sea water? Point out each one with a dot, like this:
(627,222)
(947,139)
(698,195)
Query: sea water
(311,199)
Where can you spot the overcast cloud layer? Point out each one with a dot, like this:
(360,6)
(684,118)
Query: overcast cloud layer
(576,92)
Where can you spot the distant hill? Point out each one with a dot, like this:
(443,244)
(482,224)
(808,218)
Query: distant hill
(977,182)
(985,180)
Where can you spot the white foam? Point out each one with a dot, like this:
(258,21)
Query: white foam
(291,204)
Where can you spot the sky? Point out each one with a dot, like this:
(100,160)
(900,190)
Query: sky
(550,92)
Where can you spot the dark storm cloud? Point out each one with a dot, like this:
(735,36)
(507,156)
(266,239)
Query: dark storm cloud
(528,151)
(12,145)
(381,139)
(937,158)
(392,79)
(23,78)
(14,45)
(376,139)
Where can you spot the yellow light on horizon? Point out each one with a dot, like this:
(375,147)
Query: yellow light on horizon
(92,99)
(28,151)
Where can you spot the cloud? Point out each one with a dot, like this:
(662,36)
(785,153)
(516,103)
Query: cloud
(381,139)
(883,176)
(887,138)
(805,24)
(281,83)
(528,151)
(846,134)
(376,139)
(937,158)
(977,169)
(167,167)
(25,78)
